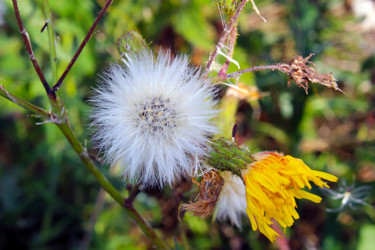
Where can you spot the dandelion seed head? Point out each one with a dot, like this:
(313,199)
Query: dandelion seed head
(157,116)
(152,118)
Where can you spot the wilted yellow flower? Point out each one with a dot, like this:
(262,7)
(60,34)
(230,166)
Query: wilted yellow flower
(272,184)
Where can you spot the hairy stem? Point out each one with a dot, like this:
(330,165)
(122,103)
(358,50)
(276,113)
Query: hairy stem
(255,68)
(232,42)
(51,39)
(226,32)
(83,44)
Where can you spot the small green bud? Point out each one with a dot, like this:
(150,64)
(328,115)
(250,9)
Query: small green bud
(131,42)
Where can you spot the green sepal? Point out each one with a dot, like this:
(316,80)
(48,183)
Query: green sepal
(227,155)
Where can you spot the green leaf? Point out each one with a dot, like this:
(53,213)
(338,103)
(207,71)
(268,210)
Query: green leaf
(191,24)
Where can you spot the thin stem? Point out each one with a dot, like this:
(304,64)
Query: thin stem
(232,42)
(64,124)
(232,23)
(66,129)
(24,104)
(107,186)
(255,68)
(26,40)
(133,192)
(185,242)
(83,44)
(281,242)
(51,39)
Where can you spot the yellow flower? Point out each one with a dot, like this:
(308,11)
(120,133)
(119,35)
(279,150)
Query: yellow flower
(272,184)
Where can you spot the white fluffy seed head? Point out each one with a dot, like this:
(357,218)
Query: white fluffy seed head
(152,118)
(232,199)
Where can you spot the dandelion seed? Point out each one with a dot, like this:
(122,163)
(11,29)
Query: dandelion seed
(152,118)
(272,184)
(351,197)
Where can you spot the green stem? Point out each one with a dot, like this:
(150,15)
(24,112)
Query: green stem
(64,126)
(51,39)
(55,102)
(52,53)
(107,186)
(24,104)
(184,239)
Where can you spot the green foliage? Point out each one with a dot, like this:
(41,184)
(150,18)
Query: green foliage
(47,196)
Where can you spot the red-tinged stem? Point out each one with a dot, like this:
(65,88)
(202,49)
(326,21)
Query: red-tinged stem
(231,24)
(281,242)
(26,40)
(255,68)
(83,44)
(232,42)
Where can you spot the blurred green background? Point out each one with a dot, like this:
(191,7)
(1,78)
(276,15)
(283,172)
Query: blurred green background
(48,200)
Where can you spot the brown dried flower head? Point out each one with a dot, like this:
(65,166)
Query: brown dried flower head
(209,190)
(303,74)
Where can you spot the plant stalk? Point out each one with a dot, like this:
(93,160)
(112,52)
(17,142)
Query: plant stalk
(23,104)
(51,39)
(107,186)
(82,45)
(226,32)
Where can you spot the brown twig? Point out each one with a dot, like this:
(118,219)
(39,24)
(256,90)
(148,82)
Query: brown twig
(26,40)
(226,32)
(83,44)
